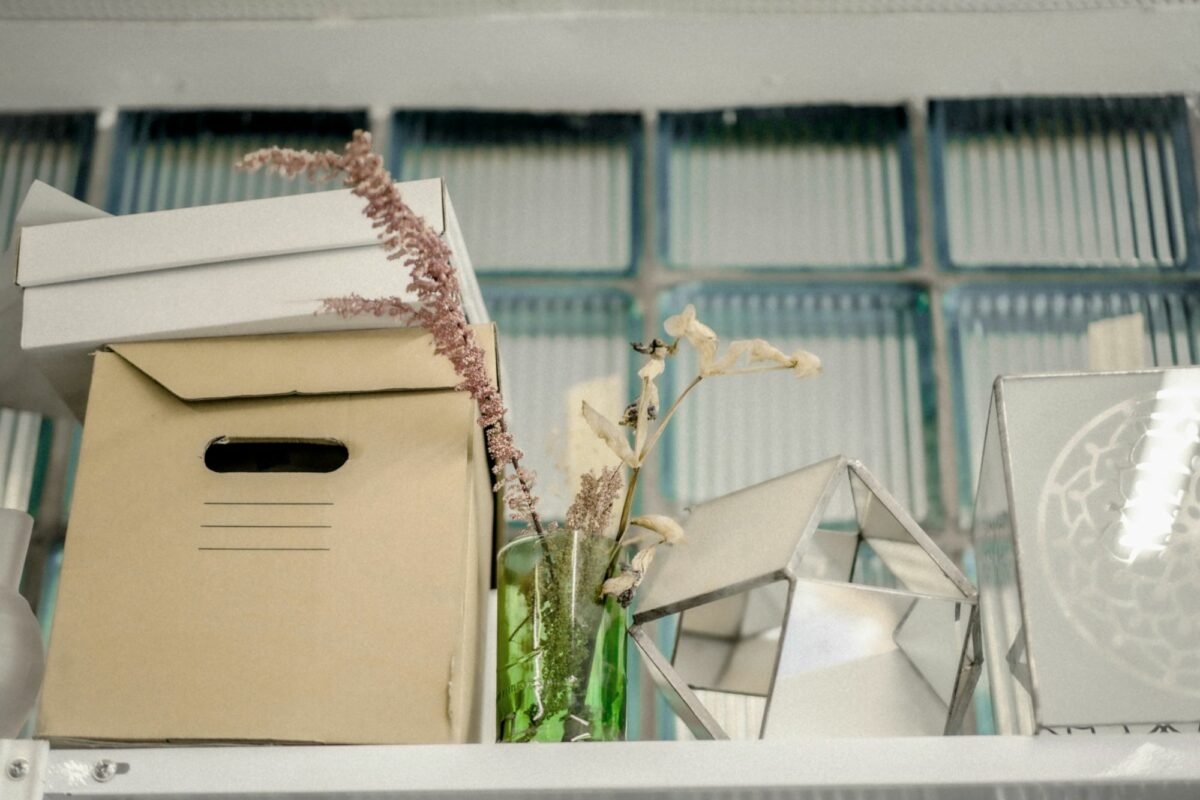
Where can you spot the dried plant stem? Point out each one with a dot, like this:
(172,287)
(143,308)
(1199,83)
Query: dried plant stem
(662,425)
(623,524)
(627,506)
(433,280)
(534,518)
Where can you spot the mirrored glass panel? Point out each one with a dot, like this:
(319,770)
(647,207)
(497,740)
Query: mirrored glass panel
(857,631)
(1105,522)
(859,661)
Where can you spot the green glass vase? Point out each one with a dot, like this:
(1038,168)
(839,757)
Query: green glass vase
(560,666)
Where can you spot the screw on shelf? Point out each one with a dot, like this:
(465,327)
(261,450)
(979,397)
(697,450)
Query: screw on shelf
(104,770)
(17,769)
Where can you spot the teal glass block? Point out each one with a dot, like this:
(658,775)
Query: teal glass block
(167,159)
(1010,329)
(559,347)
(875,400)
(535,193)
(799,187)
(55,148)
(1046,183)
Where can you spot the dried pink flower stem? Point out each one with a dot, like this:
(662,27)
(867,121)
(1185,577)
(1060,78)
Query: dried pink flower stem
(406,236)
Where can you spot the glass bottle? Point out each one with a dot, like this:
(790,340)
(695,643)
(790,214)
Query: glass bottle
(561,673)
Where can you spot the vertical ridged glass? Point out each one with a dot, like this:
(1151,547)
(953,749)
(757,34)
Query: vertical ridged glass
(1007,329)
(560,659)
(791,187)
(1063,182)
(562,346)
(54,148)
(536,193)
(177,159)
(874,398)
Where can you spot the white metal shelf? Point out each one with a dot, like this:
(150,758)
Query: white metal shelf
(1087,766)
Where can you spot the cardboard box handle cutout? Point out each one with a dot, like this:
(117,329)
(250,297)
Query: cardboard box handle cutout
(228,454)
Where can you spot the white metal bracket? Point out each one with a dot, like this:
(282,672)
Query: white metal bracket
(23,765)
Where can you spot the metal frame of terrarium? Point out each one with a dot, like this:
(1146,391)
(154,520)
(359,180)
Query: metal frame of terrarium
(715,565)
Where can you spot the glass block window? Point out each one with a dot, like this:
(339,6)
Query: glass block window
(874,401)
(559,348)
(551,207)
(1064,182)
(786,187)
(55,148)
(535,193)
(165,159)
(1008,329)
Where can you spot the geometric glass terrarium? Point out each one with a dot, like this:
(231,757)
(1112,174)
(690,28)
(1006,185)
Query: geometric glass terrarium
(820,626)
(1087,540)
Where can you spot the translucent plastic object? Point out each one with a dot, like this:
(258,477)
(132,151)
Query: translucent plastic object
(22,659)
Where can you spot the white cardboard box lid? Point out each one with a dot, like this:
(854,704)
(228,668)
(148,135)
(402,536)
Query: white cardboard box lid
(84,249)
(62,322)
(268,295)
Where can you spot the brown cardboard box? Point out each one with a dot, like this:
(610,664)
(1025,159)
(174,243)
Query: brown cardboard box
(341,606)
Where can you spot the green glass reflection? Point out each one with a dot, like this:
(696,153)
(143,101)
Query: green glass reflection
(561,666)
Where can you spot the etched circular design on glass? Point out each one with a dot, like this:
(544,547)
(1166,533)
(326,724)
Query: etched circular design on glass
(1119,532)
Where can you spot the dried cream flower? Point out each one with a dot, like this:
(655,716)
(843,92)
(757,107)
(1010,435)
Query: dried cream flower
(760,356)
(652,395)
(722,365)
(701,337)
(668,529)
(678,324)
(805,364)
(622,586)
(763,351)
(608,431)
(652,369)
(641,562)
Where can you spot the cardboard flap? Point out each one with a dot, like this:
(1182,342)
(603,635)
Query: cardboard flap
(45,205)
(61,252)
(272,366)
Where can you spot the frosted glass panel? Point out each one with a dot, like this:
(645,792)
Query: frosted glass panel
(560,348)
(55,148)
(1011,329)
(812,187)
(540,193)
(874,401)
(167,160)
(1095,182)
